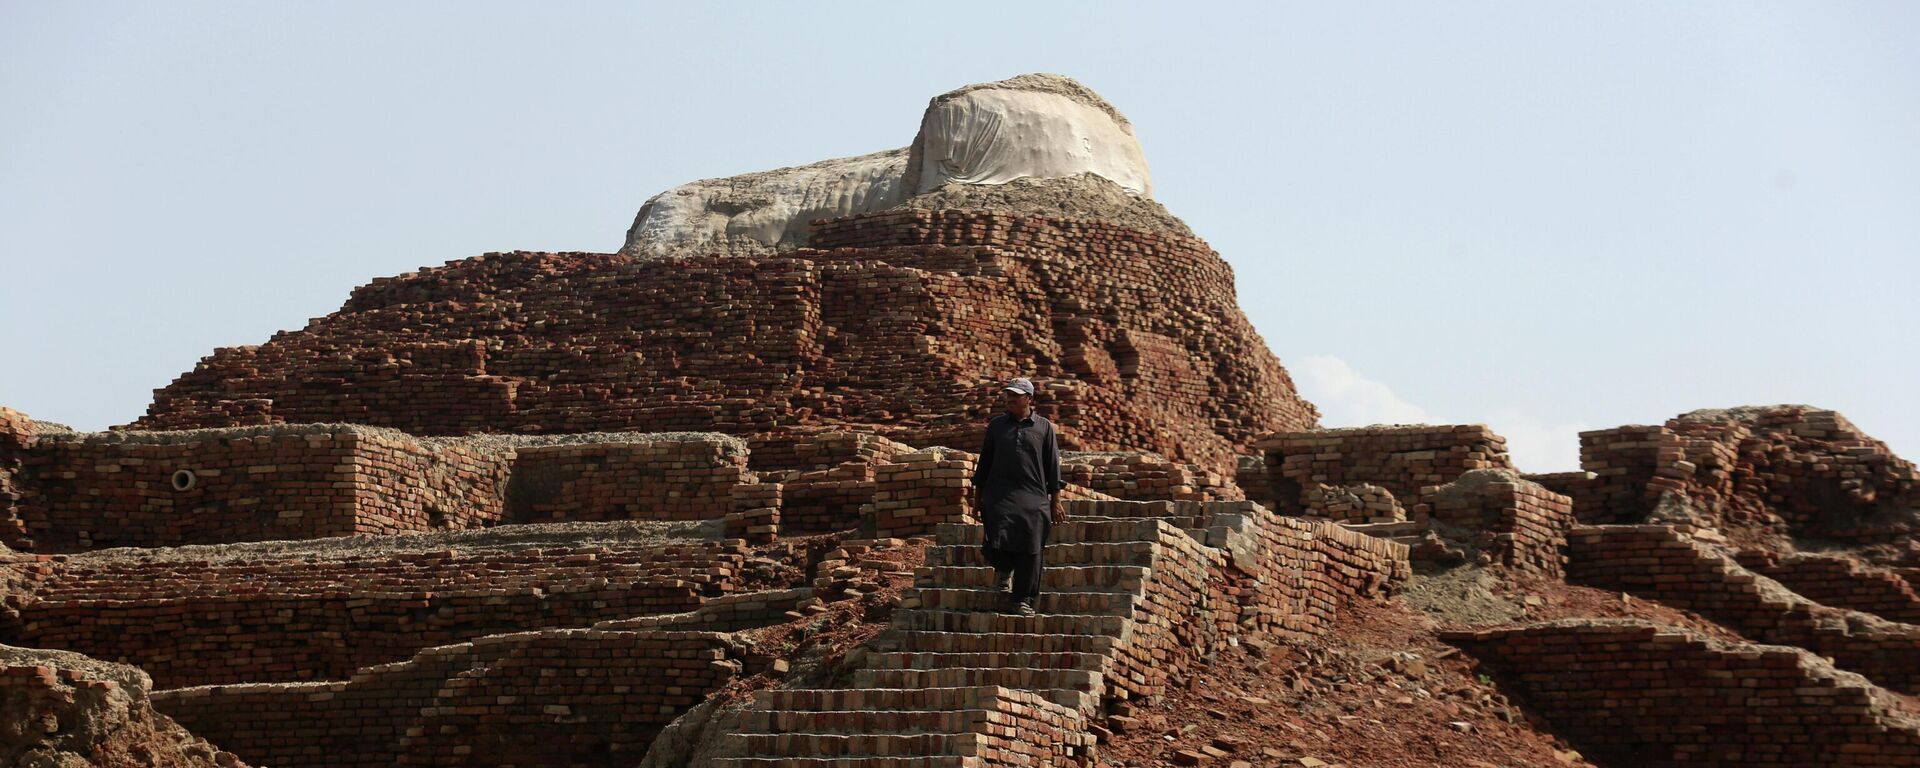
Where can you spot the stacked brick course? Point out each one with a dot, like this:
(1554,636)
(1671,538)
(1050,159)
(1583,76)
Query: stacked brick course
(671,478)
(1250,473)
(1803,469)
(828,475)
(1136,338)
(756,512)
(1841,581)
(1632,693)
(86,491)
(1681,567)
(807,450)
(16,438)
(63,709)
(1631,467)
(1358,503)
(567,697)
(727,613)
(1516,523)
(1572,485)
(1145,477)
(1129,601)
(919,491)
(1401,459)
(193,622)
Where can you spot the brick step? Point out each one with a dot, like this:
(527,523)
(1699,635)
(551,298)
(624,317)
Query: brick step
(1092,603)
(942,761)
(1066,687)
(889,699)
(1101,553)
(1031,659)
(1074,531)
(1053,578)
(1001,623)
(859,744)
(857,721)
(970,642)
(945,761)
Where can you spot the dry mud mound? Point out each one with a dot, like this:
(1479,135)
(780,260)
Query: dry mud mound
(64,710)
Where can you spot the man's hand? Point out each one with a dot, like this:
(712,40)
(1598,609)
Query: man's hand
(1059,513)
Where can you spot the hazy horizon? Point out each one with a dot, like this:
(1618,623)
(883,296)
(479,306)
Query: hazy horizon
(1543,218)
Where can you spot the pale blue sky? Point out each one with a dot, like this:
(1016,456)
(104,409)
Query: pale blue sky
(1544,216)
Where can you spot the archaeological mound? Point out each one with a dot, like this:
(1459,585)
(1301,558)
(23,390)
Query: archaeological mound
(705,501)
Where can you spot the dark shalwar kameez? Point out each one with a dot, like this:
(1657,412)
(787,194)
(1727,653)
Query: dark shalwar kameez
(1019,470)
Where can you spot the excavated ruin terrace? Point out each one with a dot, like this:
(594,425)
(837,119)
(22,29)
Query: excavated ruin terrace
(676,508)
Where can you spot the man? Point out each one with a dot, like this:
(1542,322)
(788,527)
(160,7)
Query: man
(1017,486)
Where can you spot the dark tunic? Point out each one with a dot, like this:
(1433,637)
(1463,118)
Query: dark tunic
(1019,468)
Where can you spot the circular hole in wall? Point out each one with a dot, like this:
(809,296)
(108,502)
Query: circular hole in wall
(184,480)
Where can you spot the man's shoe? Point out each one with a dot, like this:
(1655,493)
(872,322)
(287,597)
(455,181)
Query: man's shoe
(1023,608)
(1003,581)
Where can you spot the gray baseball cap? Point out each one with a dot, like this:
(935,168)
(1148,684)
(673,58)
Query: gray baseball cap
(1022,386)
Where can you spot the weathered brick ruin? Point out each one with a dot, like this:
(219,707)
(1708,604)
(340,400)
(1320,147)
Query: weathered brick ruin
(1645,695)
(157,489)
(708,502)
(62,709)
(897,323)
(194,622)
(570,696)
(1792,468)
(1680,566)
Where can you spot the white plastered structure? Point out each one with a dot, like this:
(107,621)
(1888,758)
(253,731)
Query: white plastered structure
(1032,126)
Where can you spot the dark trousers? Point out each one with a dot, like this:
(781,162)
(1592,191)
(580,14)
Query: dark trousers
(1025,567)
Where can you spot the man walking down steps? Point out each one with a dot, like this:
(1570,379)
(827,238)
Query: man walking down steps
(1017,494)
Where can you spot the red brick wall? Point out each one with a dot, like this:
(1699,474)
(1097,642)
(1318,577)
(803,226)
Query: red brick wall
(197,622)
(804,450)
(921,490)
(556,697)
(640,478)
(283,482)
(90,491)
(1516,523)
(1631,693)
(1674,565)
(1400,459)
(1841,581)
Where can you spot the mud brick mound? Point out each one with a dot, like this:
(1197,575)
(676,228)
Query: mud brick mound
(1633,693)
(1793,469)
(64,709)
(898,323)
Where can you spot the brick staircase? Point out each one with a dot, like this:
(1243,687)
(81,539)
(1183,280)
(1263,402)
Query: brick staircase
(954,683)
